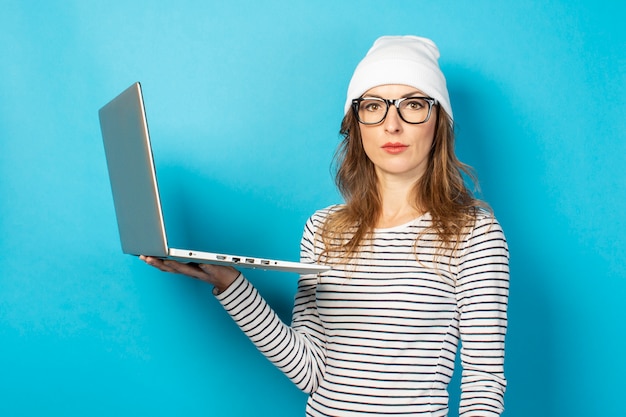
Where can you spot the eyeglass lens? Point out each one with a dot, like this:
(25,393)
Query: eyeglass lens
(373,110)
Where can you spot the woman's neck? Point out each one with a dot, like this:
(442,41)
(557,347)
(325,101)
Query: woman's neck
(398,205)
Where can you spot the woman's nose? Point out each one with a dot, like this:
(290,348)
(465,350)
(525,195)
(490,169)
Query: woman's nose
(393,122)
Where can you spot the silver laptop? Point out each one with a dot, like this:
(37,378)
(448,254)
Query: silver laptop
(136,193)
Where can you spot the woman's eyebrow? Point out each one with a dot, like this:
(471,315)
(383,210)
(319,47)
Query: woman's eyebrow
(416,93)
(371,95)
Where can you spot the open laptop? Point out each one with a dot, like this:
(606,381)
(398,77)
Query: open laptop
(136,193)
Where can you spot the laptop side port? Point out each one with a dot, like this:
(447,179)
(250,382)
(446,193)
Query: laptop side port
(249,260)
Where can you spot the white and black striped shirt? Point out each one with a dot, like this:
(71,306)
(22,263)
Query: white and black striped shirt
(379,335)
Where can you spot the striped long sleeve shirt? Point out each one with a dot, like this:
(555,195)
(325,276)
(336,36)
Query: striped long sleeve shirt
(378,336)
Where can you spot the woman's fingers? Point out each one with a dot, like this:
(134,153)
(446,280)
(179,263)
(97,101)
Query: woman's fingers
(157,263)
(219,276)
(191,269)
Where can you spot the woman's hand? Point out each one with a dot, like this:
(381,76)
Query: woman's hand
(220,276)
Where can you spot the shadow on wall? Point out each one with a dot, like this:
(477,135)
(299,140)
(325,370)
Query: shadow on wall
(488,139)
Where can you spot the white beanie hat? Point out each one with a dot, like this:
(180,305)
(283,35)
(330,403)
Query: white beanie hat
(408,60)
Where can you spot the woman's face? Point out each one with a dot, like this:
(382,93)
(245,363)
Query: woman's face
(396,148)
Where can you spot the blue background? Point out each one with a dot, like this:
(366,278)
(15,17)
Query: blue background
(246,98)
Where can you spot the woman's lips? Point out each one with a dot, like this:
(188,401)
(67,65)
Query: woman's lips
(394,148)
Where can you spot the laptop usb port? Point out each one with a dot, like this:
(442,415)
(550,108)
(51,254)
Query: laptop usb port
(236,259)
(249,260)
(221,257)
(264,262)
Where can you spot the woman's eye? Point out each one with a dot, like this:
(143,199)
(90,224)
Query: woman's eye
(372,106)
(414,105)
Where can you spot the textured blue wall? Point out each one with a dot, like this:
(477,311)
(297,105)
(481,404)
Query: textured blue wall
(246,98)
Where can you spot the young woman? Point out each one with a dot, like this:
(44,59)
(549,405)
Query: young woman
(417,262)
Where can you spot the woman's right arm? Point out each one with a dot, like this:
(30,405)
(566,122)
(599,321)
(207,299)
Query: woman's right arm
(296,351)
(299,350)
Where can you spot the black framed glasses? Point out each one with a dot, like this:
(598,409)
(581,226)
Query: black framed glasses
(373,110)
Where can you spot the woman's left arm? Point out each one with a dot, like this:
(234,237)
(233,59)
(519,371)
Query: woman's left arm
(482,297)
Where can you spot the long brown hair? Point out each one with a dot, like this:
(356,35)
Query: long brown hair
(441,191)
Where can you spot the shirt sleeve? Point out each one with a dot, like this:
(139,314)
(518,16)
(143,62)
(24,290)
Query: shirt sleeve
(482,297)
(297,350)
